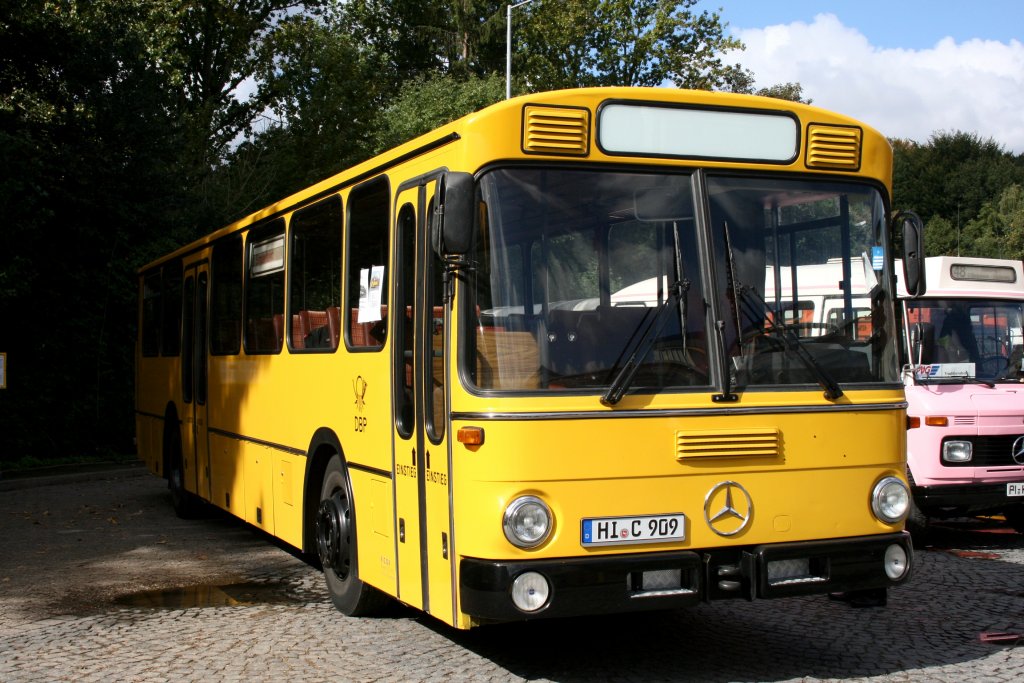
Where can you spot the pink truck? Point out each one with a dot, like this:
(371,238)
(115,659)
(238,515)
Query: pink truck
(965,390)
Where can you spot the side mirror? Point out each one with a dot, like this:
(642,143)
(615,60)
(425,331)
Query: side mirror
(451,226)
(913,252)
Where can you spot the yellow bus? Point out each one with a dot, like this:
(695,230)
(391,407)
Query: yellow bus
(537,362)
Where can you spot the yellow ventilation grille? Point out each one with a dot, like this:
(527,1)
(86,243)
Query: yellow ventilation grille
(724,443)
(835,147)
(556,130)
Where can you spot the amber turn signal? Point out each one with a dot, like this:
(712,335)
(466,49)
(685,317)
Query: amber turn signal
(471,436)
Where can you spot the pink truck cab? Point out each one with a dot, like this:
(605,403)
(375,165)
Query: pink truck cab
(965,390)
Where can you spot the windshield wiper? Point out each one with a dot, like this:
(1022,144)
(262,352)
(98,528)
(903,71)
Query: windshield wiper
(625,376)
(792,343)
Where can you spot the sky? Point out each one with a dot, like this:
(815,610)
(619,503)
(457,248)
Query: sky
(908,68)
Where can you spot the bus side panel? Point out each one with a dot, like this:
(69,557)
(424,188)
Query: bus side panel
(259,486)
(373,530)
(226,480)
(149,438)
(287,485)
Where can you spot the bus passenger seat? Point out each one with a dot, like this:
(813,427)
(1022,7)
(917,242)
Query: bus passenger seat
(334,324)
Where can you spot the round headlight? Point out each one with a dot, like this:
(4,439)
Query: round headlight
(527,522)
(896,562)
(890,501)
(530,591)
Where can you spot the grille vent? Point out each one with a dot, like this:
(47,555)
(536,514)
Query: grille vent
(963,419)
(556,130)
(836,147)
(728,444)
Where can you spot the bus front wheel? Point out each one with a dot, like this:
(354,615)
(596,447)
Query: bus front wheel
(336,545)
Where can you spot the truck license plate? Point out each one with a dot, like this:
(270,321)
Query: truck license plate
(1015,488)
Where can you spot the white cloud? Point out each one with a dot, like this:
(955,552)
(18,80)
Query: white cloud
(975,86)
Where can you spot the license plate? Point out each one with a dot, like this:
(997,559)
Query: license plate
(642,529)
(1015,488)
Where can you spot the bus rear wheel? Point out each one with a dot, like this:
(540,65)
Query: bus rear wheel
(336,545)
(186,505)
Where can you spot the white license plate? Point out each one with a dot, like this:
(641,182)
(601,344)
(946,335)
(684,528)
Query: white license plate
(1015,488)
(643,529)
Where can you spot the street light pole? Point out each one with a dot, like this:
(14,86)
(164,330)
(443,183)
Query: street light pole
(508,45)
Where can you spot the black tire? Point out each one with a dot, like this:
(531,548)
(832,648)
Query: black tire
(1015,517)
(336,546)
(185,504)
(917,525)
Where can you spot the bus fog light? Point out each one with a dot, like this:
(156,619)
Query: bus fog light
(527,522)
(890,500)
(957,451)
(896,562)
(530,591)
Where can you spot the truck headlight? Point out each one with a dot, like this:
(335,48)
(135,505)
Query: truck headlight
(957,451)
(527,522)
(890,500)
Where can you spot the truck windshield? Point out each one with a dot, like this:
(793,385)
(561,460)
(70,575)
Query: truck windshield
(610,282)
(958,340)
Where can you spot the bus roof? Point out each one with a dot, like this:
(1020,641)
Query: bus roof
(864,152)
(967,276)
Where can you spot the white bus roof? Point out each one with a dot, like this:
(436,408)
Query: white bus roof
(959,276)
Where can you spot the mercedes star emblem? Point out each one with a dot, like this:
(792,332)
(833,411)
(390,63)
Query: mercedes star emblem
(728,508)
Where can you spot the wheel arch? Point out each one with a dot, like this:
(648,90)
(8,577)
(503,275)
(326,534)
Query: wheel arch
(324,445)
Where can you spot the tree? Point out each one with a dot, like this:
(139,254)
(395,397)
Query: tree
(998,231)
(621,42)
(425,104)
(951,177)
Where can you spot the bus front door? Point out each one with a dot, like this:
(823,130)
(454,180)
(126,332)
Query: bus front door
(194,383)
(423,502)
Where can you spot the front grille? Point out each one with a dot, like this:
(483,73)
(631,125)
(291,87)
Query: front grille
(989,451)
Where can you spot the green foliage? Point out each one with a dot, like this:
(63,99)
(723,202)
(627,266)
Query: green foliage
(426,103)
(998,231)
(619,42)
(951,177)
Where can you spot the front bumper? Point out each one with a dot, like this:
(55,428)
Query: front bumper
(626,583)
(962,498)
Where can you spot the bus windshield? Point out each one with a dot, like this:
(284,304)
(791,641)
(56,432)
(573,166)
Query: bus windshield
(604,280)
(966,340)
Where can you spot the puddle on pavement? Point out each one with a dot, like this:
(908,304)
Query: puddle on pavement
(229,595)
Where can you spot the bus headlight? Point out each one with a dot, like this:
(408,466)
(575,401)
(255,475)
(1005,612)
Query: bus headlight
(957,451)
(527,522)
(890,501)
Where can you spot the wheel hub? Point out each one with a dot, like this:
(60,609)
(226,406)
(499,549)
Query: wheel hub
(332,534)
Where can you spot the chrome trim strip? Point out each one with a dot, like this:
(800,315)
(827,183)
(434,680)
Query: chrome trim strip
(684,412)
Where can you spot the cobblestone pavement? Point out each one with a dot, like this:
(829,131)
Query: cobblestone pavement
(88,569)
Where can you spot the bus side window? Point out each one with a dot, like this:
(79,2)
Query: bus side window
(264,291)
(226,297)
(367,236)
(315,275)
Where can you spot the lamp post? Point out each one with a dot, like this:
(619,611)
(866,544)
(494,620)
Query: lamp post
(508,45)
